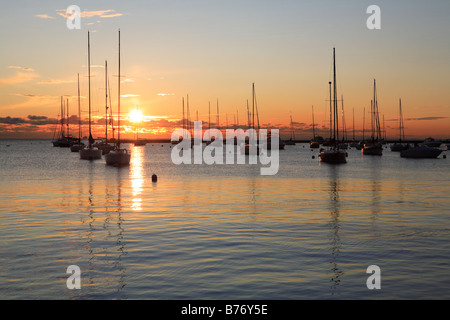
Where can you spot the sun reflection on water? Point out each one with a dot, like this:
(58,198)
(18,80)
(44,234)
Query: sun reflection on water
(136,177)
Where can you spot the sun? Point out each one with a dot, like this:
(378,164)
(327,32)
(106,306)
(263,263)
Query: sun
(135,116)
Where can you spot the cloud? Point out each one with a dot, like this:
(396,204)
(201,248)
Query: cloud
(30,95)
(21,68)
(165,94)
(9,120)
(427,118)
(129,95)
(44,16)
(52,81)
(89,14)
(20,77)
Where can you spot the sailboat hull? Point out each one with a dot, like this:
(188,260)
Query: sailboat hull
(90,154)
(397,147)
(421,152)
(77,147)
(140,143)
(314,145)
(372,150)
(333,157)
(118,158)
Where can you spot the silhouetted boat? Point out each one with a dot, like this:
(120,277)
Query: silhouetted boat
(333,155)
(430,142)
(77,146)
(119,156)
(397,147)
(90,152)
(420,152)
(291,140)
(374,146)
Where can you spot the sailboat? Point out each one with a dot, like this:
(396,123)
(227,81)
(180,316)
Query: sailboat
(119,156)
(353,144)
(333,155)
(396,147)
(374,146)
(249,147)
(77,146)
(343,145)
(139,142)
(291,140)
(314,144)
(56,142)
(90,152)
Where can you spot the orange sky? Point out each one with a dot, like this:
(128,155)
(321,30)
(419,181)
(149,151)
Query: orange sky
(215,51)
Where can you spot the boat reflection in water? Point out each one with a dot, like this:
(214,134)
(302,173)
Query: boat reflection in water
(103,237)
(334,224)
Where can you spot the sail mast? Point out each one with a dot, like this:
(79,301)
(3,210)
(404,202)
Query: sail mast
(118,103)
(336,120)
(314,130)
(79,111)
(67,117)
(106,101)
(89,80)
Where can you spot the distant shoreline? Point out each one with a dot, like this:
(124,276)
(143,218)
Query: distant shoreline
(296,140)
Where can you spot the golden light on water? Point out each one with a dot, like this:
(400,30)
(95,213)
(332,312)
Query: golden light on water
(136,176)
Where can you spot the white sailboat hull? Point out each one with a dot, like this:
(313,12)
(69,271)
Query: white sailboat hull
(119,157)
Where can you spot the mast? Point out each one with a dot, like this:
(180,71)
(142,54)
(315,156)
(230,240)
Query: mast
(364,123)
(184,121)
(331,116)
(118,103)
(344,123)
(353,124)
(253,106)
(67,117)
(209,119)
(218,124)
(111,119)
(336,119)
(248,116)
(314,130)
(106,101)
(402,128)
(89,78)
(62,118)
(79,111)
(188,114)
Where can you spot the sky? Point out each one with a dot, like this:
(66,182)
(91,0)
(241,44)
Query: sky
(213,51)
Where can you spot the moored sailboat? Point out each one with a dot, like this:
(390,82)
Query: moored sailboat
(119,156)
(77,146)
(90,152)
(333,155)
(314,144)
(374,146)
(396,147)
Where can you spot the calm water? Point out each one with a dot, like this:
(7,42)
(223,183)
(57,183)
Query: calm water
(222,232)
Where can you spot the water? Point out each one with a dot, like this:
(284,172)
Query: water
(223,231)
